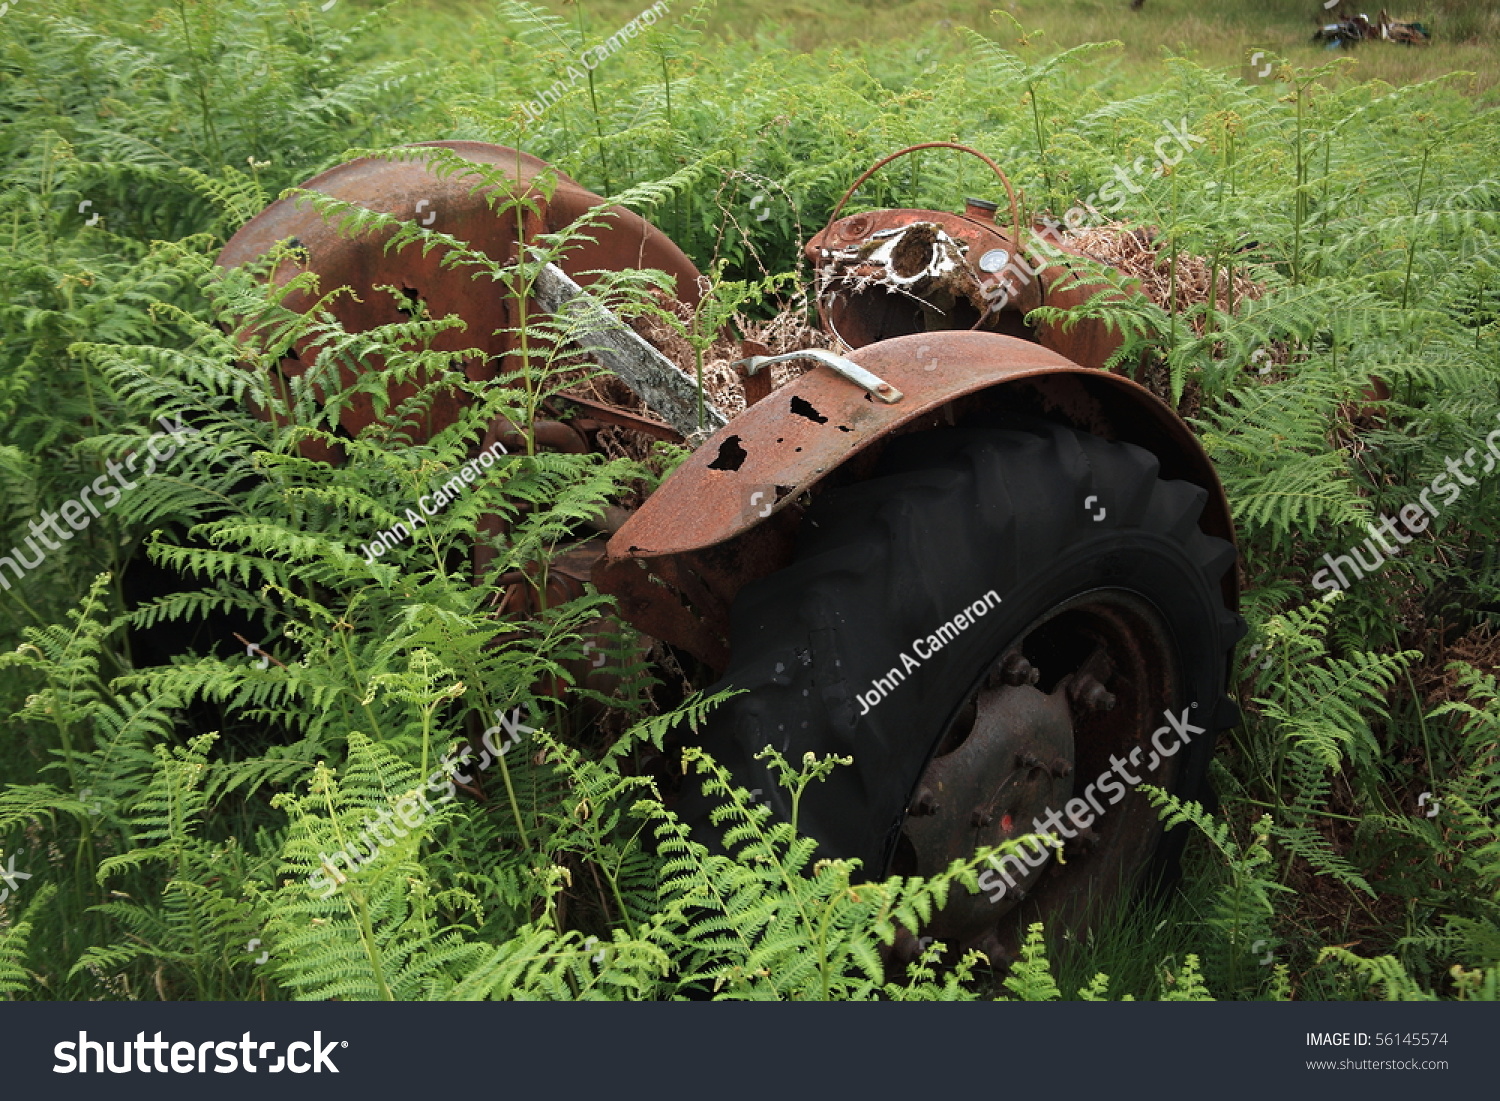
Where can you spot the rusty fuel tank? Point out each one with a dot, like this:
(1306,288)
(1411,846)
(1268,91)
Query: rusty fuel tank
(901,272)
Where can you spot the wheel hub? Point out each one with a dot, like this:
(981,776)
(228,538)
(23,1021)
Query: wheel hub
(1005,768)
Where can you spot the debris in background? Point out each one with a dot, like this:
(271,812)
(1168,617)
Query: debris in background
(1357,28)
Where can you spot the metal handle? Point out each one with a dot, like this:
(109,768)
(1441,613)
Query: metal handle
(848,368)
(1015,207)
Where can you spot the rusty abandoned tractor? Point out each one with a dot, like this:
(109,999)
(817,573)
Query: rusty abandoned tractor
(996,576)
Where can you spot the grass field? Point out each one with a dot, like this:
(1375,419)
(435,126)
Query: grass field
(1465,32)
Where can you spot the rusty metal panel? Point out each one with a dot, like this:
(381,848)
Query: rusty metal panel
(731,512)
(605,413)
(648,604)
(787,443)
(408,190)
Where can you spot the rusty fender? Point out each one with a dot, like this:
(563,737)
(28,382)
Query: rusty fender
(729,514)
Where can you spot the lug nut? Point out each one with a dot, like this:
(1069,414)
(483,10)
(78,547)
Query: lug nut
(924,804)
(1028,760)
(1090,695)
(1061,768)
(982,817)
(1015,670)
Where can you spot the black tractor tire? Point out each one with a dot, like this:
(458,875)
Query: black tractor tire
(1059,528)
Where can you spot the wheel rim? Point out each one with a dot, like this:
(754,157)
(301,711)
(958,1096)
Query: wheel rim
(1079,688)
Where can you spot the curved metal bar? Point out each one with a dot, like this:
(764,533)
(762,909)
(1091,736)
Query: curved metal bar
(1015,206)
(850,370)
